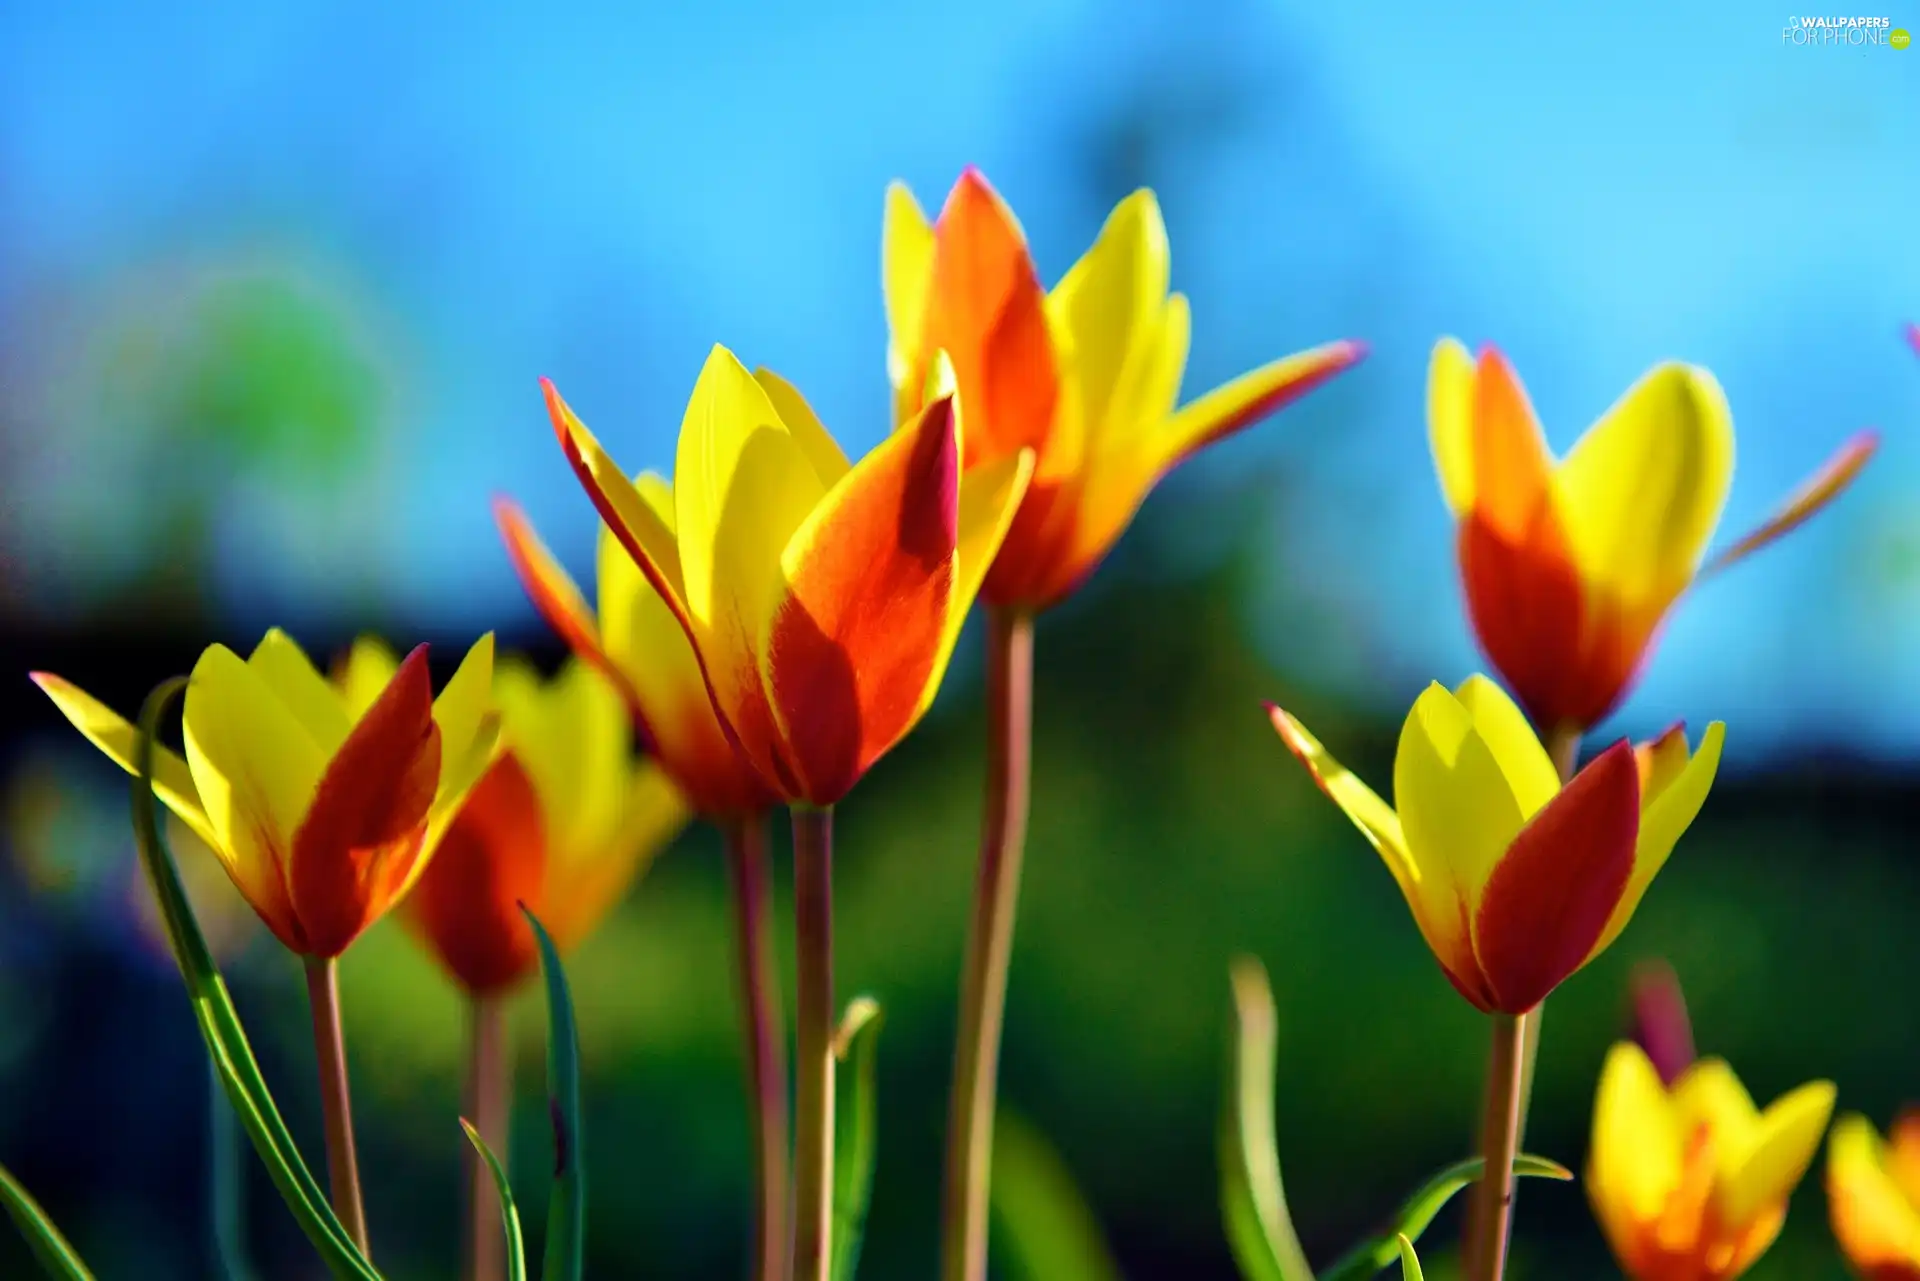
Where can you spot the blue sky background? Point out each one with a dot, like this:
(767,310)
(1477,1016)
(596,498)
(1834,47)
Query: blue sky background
(597,196)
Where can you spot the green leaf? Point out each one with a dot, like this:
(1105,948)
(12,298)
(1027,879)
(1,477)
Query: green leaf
(1048,1232)
(509,1213)
(227,1045)
(225,1183)
(1379,1252)
(56,1257)
(856,1043)
(567,1203)
(1409,1261)
(1253,1197)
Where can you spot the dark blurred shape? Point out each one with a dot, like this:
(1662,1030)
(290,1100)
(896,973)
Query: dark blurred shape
(1660,1023)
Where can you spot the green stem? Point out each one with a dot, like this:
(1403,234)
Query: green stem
(1499,1143)
(813,1028)
(489,1104)
(336,1103)
(226,1180)
(983,992)
(763,1040)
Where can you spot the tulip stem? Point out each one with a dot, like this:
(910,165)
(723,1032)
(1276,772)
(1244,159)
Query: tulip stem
(489,1104)
(336,1103)
(1500,1142)
(983,992)
(813,1028)
(763,1040)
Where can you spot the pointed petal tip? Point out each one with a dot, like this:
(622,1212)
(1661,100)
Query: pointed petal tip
(1913,337)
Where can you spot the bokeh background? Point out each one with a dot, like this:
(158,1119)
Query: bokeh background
(275,287)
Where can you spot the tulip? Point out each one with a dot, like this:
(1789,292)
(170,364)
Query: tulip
(1086,376)
(1570,566)
(325,807)
(1690,1183)
(1873,1195)
(635,639)
(822,600)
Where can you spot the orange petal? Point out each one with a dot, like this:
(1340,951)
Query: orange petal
(1804,503)
(466,904)
(987,310)
(1247,399)
(870,577)
(1512,467)
(360,837)
(1554,890)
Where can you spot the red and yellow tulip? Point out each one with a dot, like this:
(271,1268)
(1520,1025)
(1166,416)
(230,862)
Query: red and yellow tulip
(324,808)
(1690,1183)
(563,821)
(636,640)
(821,598)
(1086,376)
(1571,565)
(1873,1193)
(1514,880)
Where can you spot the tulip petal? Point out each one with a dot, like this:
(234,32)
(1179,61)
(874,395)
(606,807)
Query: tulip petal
(120,740)
(1903,1152)
(1644,487)
(1512,466)
(1239,404)
(1111,302)
(986,309)
(360,839)
(1913,338)
(1806,502)
(1556,886)
(547,583)
(1709,1096)
(1667,815)
(989,497)
(869,581)
(1450,374)
(1503,727)
(1776,1158)
(821,450)
(1875,1222)
(1455,804)
(363,673)
(906,271)
(1661,762)
(581,891)
(491,860)
(461,712)
(574,739)
(1635,1160)
(286,669)
(256,769)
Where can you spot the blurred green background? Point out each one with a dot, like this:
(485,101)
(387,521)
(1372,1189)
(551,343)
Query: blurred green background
(274,290)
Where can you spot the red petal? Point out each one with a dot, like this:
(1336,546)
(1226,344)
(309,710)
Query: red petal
(363,831)
(1554,890)
(492,858)
(854,642)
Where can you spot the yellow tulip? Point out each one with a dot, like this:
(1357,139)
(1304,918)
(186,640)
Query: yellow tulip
(1691,1183)
(1873,1192)
(323,809)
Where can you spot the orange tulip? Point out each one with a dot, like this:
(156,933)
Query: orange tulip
(822,598)
(563,822)
(324,808)
(1873,1193)
(1086,376)
(1570,566)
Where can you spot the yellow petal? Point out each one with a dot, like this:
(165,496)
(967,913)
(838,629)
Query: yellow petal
(1709,1094)
(370,664)
(120,740)
(1373,816)
(1642,490)
(742,485)
(1634,1163)
(1663,819)
(1779,1152)
(1113,302)
(1503,727)
(1872,1217)
(828,459)
(1455,804)
(582,887)
(461,712)
(1450,421)
(286,669)
(1237,404)
(574,738)
(621,505)
(1806,502)
(255,767)
(989,497)
(906,270)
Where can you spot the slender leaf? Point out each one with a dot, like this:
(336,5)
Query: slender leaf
(1378,1252)
(567,1203)
(1047,1230)
(856,1042)
(1409,1261)
(56,1257)
(227,1045)
(1254,1198)
(225,1182)
(509,1213)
